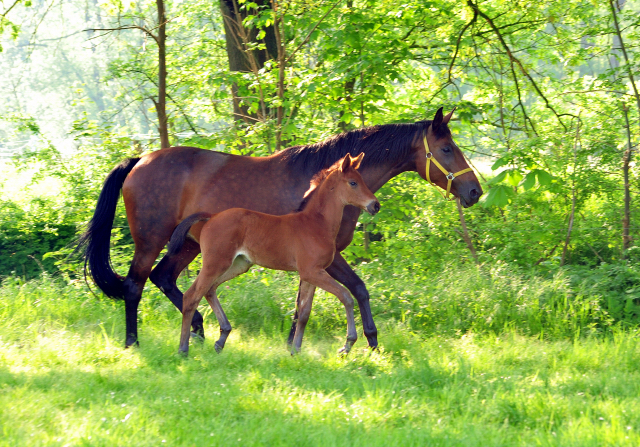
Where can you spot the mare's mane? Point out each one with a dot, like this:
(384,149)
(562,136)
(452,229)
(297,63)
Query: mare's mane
(388,143)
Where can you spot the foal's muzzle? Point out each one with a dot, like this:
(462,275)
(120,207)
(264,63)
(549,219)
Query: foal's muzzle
(373,207)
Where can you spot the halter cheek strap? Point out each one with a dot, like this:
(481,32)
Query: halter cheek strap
(450,175)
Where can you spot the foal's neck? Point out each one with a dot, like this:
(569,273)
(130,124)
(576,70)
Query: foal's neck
(326,203)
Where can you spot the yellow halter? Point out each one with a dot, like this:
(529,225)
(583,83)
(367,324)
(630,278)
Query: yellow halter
(450,175)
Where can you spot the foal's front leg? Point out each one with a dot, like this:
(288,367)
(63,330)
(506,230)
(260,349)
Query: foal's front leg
(303,310)
(320,278)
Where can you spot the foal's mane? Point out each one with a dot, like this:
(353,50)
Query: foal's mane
(387,143)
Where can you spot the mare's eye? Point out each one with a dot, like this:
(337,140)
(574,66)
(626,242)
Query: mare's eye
(446,149)
(352,183)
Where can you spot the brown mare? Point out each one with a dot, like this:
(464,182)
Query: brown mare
(235,239)
(160,189)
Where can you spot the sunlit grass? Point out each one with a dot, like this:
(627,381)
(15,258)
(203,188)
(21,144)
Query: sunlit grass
(65,380)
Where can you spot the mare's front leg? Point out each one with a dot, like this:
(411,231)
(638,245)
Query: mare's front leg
(321,278)
(303,310)
(165,274)
(342,272)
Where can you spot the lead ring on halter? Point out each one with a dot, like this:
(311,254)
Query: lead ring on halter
(449,175)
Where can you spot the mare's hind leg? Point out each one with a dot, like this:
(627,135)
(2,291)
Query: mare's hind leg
(303,310)
(240,265)
(165,274)
(320,278)
(133,284)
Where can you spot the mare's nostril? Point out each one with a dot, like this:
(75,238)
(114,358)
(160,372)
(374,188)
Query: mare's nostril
(376,207)
(473,194)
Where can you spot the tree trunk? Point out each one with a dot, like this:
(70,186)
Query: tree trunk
(573,197)
(161,103)
(239,59)
(626,159)
(465,233)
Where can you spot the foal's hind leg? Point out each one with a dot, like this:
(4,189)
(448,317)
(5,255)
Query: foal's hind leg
(240,265)
(223,321)
(165,274)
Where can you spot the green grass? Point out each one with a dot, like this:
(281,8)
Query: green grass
(65,379)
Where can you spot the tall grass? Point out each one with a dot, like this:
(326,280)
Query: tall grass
(475,357)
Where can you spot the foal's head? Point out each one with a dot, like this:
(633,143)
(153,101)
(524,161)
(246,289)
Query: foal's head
(343,180)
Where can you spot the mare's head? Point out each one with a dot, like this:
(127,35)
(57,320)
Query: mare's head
(443,149)
(345,181)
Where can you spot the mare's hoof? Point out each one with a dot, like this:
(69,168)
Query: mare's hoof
(343,352)
(131,343)
(197,337)
(183,354)
(218,348)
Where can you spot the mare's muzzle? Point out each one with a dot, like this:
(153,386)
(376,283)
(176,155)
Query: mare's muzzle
(373,207)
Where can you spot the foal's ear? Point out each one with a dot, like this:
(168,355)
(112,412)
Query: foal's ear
(346,162)
(355,163)
(437,120)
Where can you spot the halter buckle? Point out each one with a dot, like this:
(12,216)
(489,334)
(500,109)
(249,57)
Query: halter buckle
(429,155)
(450,176)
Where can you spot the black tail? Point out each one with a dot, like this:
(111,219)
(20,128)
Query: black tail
(180,233)
(97,237)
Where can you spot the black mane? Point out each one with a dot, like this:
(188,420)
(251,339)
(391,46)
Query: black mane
(388,143)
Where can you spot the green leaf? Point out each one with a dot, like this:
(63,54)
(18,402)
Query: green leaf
(529,181)
(514,177)
(498,178)
(499,195)
(544,178)
(500,163)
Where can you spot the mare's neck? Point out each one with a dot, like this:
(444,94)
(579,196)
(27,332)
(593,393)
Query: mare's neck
(375,176)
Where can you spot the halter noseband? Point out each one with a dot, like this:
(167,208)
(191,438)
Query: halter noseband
(450,175)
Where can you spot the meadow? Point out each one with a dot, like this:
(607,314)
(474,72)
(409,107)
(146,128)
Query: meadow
(65,378)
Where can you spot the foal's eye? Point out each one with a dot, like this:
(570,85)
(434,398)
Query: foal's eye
(353,184)
(446,149)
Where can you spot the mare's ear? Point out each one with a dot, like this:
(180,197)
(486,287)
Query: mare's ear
(446,119)
(437,120)
(355,163)
(346,162)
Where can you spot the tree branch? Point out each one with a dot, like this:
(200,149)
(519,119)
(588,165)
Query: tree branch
(455,55)
(514,59)
(306,39)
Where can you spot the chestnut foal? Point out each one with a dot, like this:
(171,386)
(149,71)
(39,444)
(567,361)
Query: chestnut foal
(235,239)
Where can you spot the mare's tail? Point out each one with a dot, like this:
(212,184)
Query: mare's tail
(180,233)
(97,237)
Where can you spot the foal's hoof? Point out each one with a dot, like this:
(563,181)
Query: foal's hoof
(197,337)
(217,347)
(344,351)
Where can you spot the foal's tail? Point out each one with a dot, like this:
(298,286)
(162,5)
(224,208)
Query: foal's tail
(97,237)
(180,233)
